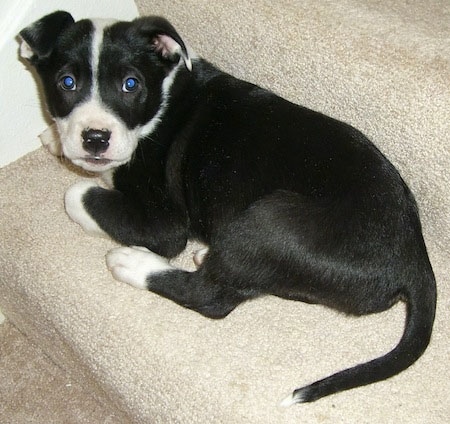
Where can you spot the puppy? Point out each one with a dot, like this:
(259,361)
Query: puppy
(290,202)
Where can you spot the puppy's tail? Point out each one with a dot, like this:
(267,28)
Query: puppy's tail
(421,305)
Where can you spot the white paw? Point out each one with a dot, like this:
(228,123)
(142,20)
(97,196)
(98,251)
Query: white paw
(75,209)
(133,265)
(50,140)
(199,256)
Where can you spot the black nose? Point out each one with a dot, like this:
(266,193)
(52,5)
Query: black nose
(95,141)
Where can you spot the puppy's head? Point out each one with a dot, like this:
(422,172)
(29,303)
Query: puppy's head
(106,82)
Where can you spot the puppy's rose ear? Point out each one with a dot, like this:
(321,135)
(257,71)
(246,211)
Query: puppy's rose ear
(164,39)
(39,38)
(167,47)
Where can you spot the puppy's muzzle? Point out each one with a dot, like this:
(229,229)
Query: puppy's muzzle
(95,141)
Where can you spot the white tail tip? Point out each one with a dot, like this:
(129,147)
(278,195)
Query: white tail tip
(289,401)
(296,397)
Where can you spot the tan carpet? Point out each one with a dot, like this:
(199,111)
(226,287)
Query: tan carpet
(34,390)
(380,65)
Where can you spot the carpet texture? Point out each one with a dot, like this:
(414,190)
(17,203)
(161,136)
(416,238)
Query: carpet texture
(34,390)
(383,66)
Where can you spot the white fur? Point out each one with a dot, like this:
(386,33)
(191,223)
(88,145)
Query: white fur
(50,140)
(99,28)
(292,399)
(148,128)
(199,256)
(134,265)
(75,208)
(25,50)
(108,177)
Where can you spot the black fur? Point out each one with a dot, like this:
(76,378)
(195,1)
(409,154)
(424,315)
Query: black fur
(292,203)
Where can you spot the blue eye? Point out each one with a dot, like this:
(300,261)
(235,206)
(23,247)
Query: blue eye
(130,85)
(68,83)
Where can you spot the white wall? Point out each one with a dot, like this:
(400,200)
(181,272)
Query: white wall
(21,117)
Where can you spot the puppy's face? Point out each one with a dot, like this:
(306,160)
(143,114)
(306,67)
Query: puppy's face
(105,82)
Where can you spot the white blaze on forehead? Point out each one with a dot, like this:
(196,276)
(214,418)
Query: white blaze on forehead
(97,41)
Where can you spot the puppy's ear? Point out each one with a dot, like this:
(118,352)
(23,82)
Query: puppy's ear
(39,39)
(164,39)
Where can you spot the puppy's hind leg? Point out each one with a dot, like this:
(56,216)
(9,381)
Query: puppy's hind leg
(199,256)
(245,259)
(146,270)
(243,262)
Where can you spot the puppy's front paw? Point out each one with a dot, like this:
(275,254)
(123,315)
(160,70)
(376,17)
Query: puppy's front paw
(74,204)
(50,140)
(134,265)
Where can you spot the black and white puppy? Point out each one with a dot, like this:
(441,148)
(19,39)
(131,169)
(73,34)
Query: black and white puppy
(290,202)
